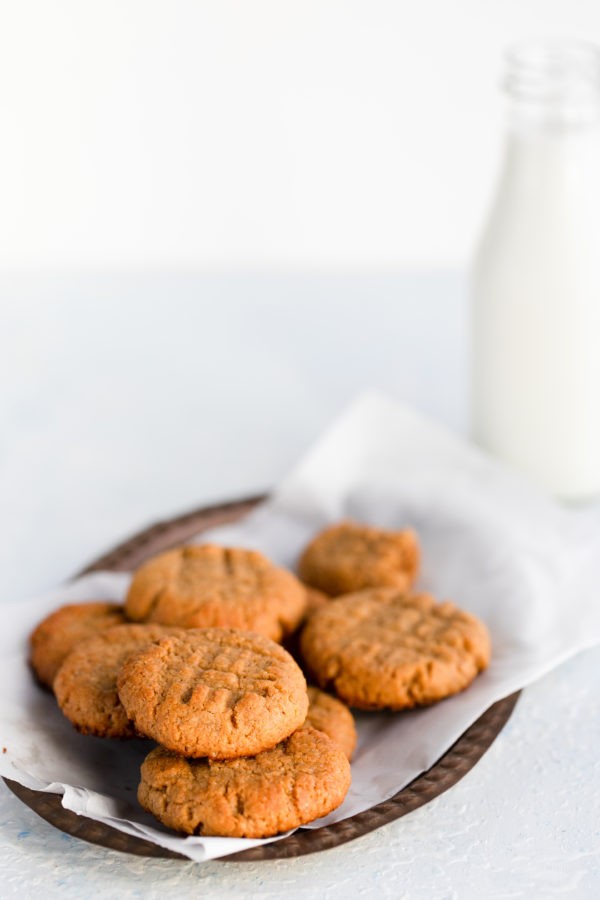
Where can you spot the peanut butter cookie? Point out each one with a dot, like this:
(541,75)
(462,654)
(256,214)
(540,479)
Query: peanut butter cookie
(301,779)
(214,692)
(382,649)
(205,586)
(86,683)
(349,557)
(333,718)
(63,629)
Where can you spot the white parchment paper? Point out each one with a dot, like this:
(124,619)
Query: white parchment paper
(527,566)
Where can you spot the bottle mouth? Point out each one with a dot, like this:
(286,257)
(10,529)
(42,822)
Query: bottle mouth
(561,79)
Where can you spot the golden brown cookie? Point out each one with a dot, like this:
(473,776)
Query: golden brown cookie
(382,649)
(204,585)
(349,557)
(301,779)
(331,716)
(86,683)
(58,634)
(214,692)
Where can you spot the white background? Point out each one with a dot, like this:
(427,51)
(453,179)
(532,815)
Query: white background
(187,133)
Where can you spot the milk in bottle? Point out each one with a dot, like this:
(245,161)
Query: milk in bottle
(536,277)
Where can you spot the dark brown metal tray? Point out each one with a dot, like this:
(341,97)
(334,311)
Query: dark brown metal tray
(446,772)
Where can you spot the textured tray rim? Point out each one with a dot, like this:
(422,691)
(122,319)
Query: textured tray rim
(444,774)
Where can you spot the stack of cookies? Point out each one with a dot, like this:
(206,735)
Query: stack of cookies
(195,661)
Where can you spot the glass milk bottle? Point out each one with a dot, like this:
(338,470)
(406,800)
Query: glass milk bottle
(536,277)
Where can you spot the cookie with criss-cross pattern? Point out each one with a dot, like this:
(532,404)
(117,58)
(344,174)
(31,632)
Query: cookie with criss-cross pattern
(349,557)
(86,683)
(333,718)
(214,692)
(202,586)
(55,637)
(303,778)
(383,649)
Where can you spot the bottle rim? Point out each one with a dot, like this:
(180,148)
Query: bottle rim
(553,72)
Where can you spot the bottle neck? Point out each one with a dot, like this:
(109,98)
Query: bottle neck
(553,89)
